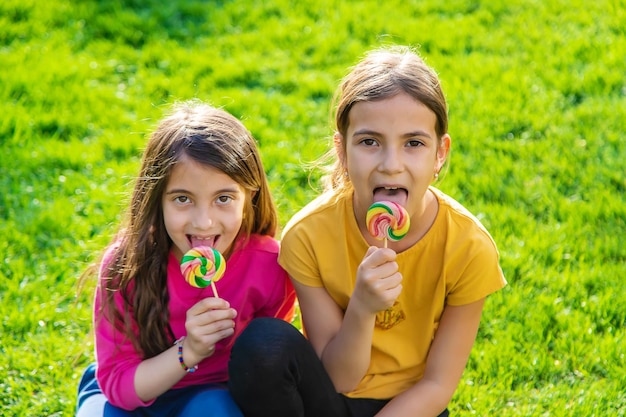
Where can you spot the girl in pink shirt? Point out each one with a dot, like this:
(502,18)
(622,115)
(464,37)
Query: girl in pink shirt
(162,346)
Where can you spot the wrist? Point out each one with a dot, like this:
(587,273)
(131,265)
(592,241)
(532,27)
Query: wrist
(181,359)
(360,310)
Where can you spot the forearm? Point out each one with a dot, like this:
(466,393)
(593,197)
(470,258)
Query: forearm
(424,399)
(347,356)
(444,367)
(158,374)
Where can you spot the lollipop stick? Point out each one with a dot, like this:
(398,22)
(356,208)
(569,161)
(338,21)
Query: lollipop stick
(385,242)
(214,290)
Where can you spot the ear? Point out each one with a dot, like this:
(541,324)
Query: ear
(340,149)
(442,151)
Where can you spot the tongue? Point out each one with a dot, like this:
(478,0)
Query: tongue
(202,242)
(397,196)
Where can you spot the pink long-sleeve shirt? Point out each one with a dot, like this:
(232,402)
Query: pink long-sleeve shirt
(254,285)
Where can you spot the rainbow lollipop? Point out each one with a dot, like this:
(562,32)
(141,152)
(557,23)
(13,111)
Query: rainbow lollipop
(387,220)
(203,266)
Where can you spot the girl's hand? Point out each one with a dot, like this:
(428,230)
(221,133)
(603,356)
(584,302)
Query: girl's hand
(208,321)
(378,282)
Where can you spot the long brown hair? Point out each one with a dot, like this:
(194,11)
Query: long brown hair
(381,74)
(138,270)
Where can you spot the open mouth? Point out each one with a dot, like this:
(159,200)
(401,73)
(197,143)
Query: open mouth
(398,195)
(196,241)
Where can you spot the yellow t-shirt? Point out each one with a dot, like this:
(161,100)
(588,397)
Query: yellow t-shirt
(456,263)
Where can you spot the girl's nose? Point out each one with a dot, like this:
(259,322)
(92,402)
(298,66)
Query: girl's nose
(391,162)
(202,219)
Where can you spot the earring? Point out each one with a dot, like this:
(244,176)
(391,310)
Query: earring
(436,176)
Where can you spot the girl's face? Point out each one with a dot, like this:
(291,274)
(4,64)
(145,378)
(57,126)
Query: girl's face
(202,206)
(392,153)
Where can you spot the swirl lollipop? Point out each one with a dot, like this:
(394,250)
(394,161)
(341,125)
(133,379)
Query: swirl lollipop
(387,220)
(203,266)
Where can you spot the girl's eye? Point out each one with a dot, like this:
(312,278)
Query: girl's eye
(368,142)
(415,143)
(224,199)
(182,199)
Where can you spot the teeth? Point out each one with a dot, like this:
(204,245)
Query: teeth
(391,188)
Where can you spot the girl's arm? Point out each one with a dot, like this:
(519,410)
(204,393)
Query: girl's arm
(343,341)
(208,322)
(130,382)
(331,333)
(446,361)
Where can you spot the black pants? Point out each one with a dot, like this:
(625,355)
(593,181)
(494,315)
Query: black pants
(275,372)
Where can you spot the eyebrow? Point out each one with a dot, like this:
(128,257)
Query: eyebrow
(420,133)
(231,190)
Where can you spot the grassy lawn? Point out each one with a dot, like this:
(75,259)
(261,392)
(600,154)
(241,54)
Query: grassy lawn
(537,96)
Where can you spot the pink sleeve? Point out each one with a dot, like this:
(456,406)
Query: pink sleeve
(116,357)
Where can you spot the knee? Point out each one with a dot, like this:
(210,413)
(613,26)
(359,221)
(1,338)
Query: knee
(219,401)
(266,338)
(88,379)
(92,406)
(88,388)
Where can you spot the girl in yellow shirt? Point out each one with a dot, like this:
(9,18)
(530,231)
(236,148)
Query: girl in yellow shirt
(388,329)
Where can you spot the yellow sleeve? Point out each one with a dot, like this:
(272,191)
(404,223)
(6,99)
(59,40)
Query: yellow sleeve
(297,256)
(476,273)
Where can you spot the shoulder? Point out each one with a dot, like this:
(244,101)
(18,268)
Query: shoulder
(258,244)
(256,252)
(323,211)
(455,209)
(459,221)
(108,259)
(471,257)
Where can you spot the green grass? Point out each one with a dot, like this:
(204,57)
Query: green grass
(537,95)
